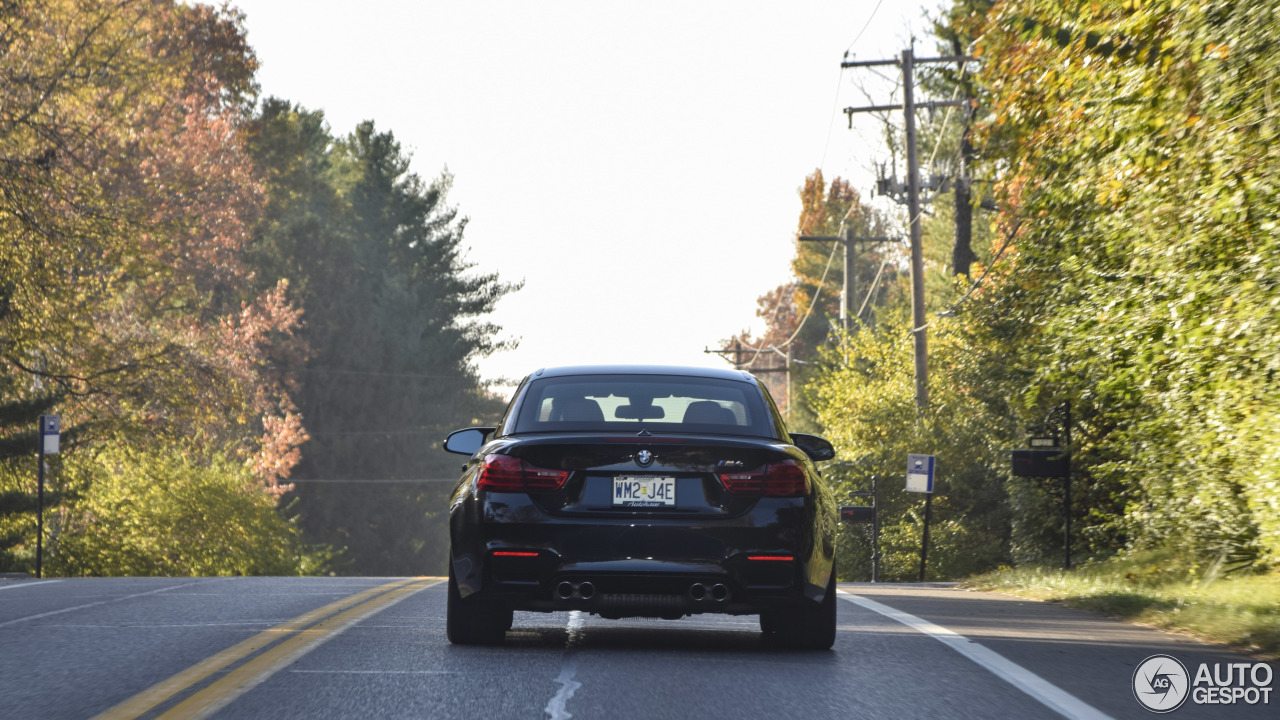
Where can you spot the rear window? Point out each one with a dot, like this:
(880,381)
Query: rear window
(658,403)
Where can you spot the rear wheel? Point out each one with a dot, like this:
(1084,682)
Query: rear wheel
(806,626)
(472,621)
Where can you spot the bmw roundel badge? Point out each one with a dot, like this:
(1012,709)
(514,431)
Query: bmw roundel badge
(644,457)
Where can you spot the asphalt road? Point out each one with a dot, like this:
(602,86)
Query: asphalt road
(375,647)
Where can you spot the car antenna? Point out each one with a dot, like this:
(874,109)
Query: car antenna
(644,433)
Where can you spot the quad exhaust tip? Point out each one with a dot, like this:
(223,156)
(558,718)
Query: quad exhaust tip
(570,590)
(698,592)
(716,593)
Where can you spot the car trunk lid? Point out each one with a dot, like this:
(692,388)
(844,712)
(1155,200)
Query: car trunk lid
(652,476)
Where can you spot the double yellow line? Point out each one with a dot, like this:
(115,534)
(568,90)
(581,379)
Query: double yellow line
(283,644)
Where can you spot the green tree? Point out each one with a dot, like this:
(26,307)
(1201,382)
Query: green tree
(1141,161)
(864,400)
(393,325)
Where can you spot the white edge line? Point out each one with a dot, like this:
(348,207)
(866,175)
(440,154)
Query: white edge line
(1028,682)
(21,584)
(95,604)
(293,657)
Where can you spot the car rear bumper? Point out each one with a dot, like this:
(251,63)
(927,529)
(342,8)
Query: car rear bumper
(630,565)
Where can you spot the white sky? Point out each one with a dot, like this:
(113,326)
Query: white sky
(637,164)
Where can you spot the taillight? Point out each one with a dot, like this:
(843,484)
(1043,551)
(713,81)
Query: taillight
(504,473)
(781,479)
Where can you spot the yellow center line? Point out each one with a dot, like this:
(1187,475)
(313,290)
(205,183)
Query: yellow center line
(252,673)
(175,685)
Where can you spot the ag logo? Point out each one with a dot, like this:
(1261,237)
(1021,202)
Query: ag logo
(1160,683)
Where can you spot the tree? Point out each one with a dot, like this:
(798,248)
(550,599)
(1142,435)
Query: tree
(393,326)
(126,199)
(1139,199)
(800,316)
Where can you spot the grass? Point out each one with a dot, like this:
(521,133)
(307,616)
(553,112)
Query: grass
(1161,590)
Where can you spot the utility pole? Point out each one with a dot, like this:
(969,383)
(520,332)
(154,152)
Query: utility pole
(737,351)
(849,241)
(917,251)
(907,63)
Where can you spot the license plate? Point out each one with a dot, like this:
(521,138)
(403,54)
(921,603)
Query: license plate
(639,491)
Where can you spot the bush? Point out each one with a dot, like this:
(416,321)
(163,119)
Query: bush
(174,514)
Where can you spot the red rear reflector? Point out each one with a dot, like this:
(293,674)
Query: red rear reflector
(781,479)
(513,553)
(771,558)
(503,473)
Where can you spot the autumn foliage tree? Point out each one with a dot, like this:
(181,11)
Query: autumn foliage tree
(803,315)
(126,203)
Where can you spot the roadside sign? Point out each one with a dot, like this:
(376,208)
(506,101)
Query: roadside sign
(920,473)
(50,433)
(1044,442)
(1040,463)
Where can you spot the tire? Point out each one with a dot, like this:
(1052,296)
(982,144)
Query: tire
(770,622)
(807,626)
(820,624)
(472,621)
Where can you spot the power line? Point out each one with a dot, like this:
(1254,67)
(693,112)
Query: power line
(374,432)
(835,103)
(835,106)
(343,371)
(858,37)
(817,293)
(371,481)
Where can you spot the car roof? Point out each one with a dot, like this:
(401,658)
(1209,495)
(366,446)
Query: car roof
(679,370)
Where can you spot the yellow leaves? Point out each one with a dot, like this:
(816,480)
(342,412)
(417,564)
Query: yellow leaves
(1218,50)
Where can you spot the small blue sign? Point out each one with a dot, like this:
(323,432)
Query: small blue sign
(50,433)
(920,473)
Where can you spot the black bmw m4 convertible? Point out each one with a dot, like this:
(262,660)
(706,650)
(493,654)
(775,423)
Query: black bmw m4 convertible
(642,491)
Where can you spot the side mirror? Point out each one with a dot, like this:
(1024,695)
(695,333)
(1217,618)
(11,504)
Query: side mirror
(467,441)
(818,449)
